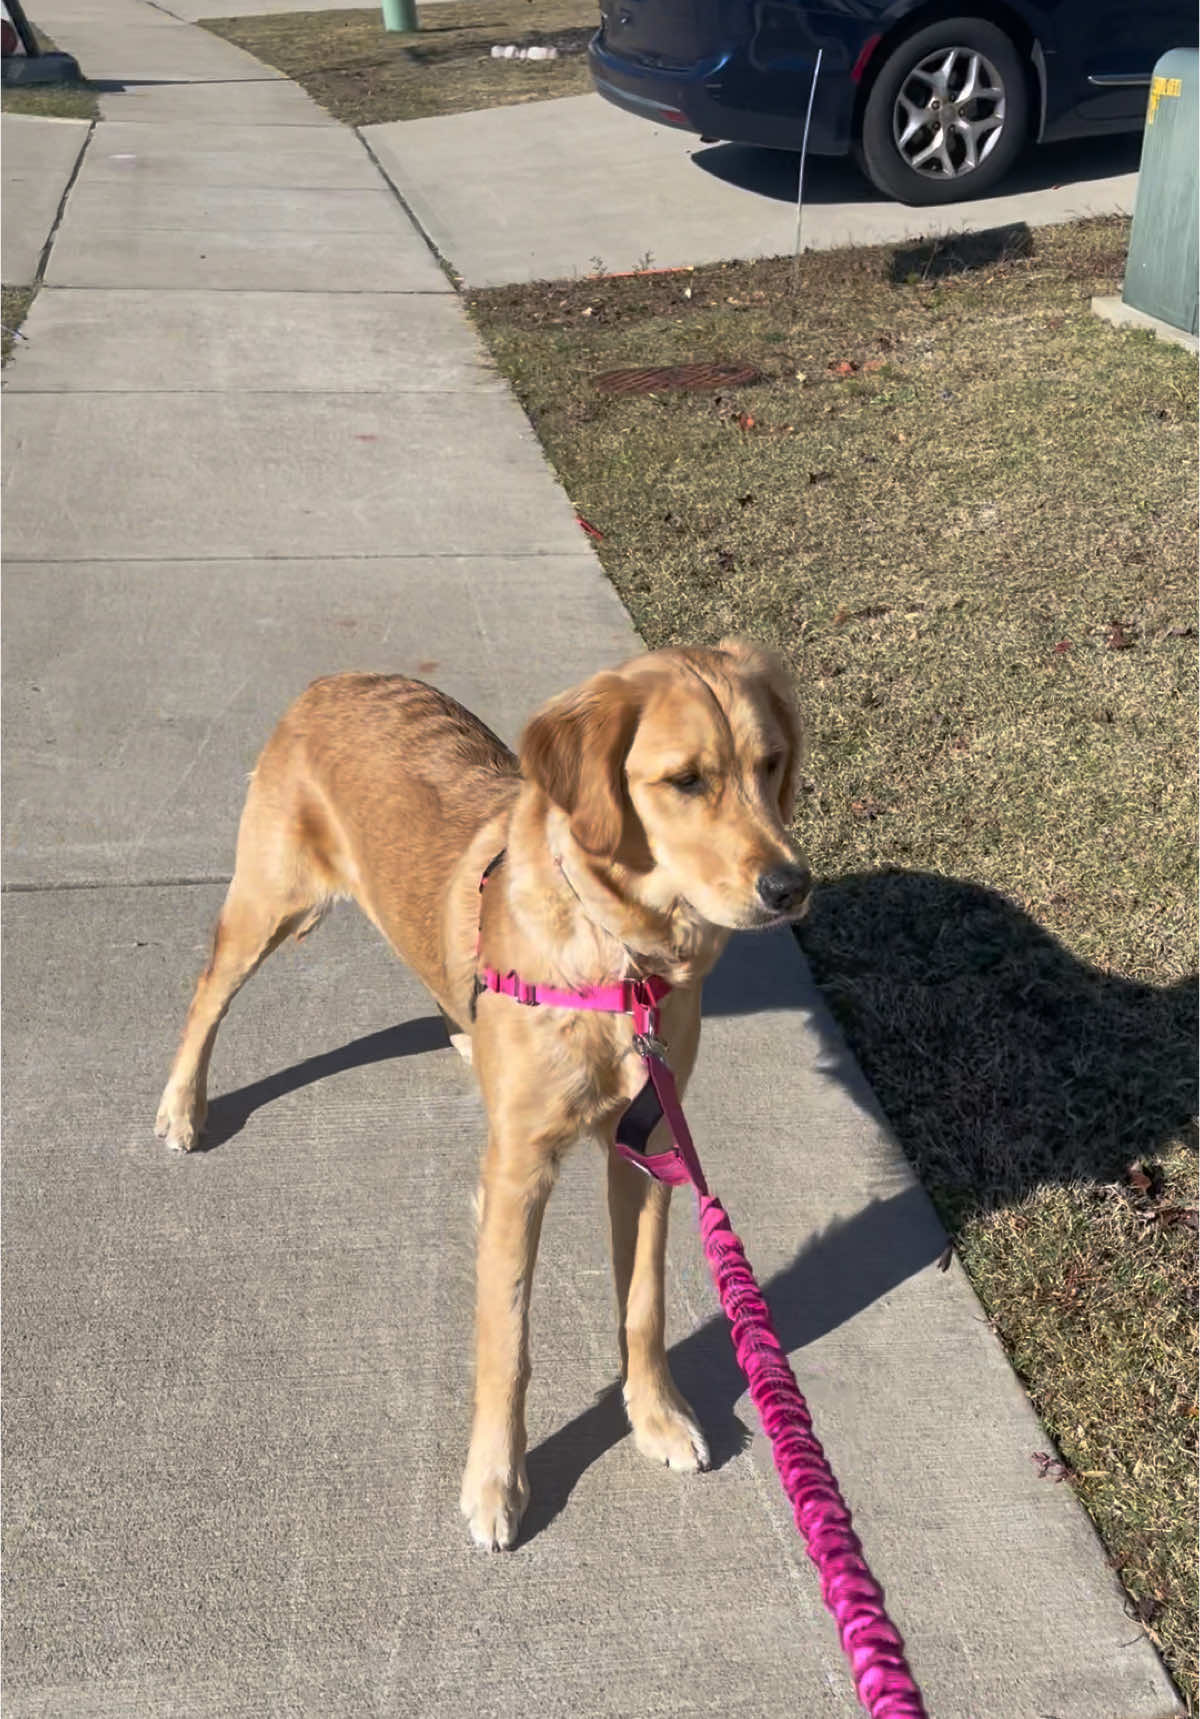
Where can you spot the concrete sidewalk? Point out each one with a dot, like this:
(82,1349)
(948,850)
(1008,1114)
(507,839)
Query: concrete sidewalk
(253,439)
(576,187)
(37,158)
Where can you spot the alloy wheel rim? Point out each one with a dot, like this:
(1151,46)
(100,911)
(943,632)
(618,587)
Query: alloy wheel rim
(949,113)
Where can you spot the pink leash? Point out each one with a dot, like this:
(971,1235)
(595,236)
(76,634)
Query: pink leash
(870,1641)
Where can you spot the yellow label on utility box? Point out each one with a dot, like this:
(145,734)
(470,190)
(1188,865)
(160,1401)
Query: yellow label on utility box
(1162,87)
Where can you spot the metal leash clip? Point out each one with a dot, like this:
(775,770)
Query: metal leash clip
(646,1044)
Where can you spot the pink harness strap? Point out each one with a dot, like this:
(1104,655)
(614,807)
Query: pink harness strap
(870,1640)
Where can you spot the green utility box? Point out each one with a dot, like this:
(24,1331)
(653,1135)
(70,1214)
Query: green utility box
(1164,260)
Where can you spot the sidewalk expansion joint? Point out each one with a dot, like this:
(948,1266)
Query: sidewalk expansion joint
(443,262)
(43,261)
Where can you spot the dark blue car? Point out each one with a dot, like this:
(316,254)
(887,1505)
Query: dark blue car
(935,101)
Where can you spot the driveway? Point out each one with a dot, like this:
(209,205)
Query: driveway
(576,187)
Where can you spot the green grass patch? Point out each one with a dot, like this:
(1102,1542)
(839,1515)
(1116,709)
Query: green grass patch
(364,75)
(14,308)
(964,509)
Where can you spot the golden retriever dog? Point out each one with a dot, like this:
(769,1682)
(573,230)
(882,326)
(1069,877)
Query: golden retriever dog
(644,820)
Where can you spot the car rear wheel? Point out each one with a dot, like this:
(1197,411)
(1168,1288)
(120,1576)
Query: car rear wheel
(947,114)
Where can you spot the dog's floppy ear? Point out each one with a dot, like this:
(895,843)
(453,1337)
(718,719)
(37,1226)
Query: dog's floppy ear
(781,695)
(575,750)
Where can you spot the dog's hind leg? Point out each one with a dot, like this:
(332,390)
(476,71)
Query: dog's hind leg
(279,888)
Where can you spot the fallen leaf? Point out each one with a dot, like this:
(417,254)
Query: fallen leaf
(745,421)
(874,363)
(1137,1178)
(1062,647)
(843,366)
(1118,639)
(592,530)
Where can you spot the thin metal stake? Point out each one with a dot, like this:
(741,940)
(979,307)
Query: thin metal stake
(803,158)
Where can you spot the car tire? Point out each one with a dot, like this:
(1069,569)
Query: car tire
(904,148)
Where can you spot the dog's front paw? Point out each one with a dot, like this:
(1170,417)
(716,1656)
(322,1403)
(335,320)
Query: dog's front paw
(665,1430)
(180,1120)
(493,1504)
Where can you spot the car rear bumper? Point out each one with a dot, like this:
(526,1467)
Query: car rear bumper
(726,98)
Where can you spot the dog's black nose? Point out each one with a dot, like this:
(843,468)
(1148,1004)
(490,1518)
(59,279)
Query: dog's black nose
(785,888)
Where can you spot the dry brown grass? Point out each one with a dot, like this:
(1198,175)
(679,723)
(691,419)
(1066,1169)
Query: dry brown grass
(965,510)
(363,75)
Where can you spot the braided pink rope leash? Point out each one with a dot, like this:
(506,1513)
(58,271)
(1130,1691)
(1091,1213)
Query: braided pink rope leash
(870,1640)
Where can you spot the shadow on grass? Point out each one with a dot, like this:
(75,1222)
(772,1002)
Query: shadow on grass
(1004,1062)
(960,253)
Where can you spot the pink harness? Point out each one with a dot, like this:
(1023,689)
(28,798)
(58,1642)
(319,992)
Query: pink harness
(871,1642)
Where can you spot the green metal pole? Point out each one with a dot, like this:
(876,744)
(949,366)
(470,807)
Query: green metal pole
(400,15)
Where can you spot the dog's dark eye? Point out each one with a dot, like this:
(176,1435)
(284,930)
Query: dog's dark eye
(771,764)
(691,782)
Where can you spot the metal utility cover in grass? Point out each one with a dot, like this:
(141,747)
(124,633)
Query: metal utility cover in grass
(677,376)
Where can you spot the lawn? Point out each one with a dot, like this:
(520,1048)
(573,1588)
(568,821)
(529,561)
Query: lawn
(964,509)
(363,75)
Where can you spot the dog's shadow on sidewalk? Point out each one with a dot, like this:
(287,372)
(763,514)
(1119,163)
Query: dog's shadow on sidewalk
(229,1113)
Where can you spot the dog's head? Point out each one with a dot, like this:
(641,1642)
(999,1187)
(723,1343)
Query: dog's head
(680,769)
